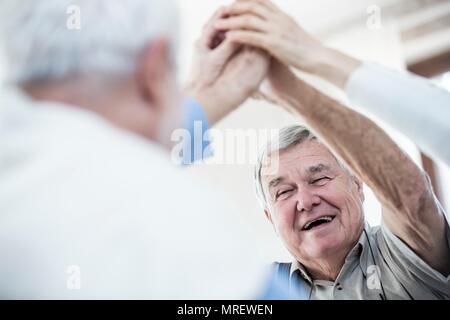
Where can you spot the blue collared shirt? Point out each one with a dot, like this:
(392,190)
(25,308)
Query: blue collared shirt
(198,146)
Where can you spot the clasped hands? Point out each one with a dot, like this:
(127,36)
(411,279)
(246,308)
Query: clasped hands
(247,49)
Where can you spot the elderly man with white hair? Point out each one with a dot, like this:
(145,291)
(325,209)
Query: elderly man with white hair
(315,204)
(314,199)
(91,205)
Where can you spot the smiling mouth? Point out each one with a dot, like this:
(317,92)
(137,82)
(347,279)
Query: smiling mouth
(318,222)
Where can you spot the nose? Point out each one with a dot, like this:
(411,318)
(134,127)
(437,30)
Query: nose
(306,200)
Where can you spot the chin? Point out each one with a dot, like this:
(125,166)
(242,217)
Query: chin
(324,246)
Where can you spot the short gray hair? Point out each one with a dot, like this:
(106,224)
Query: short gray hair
(287,138)
(39,45)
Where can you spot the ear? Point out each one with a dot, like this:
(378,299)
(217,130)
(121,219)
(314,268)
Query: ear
(269,217)
(154,73)
(359,186)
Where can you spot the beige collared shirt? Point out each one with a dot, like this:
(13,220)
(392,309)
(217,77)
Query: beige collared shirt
(380,266)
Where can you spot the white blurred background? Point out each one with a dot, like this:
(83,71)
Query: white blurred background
(413,34)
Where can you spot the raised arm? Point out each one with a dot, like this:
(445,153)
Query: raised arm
(410,104)
(223,74)
(410,209)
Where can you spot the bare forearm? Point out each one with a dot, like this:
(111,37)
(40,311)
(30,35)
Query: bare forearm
(334,66)
(409,207)
(360,143)
(210,106)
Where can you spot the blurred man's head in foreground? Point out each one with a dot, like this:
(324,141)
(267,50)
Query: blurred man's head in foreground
(112,57)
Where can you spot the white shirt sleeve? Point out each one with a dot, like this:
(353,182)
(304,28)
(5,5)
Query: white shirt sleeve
(411,104)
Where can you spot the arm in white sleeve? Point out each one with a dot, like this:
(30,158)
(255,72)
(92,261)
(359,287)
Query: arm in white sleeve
(411,104)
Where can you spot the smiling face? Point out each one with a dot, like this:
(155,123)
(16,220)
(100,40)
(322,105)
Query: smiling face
(315,205)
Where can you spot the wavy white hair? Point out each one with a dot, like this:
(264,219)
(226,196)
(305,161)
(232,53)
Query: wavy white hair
(287,138)
(39,45)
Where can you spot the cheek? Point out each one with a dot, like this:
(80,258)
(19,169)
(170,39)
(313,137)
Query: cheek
(350,205)
(347,200)
(285,216)
(340,195)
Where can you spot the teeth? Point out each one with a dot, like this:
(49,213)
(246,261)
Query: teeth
(326,218)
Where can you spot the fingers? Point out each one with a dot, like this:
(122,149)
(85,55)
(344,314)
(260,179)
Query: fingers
(226,50)
(243,22)
(264,3)
(218,38)
(245,7)
(242,14)
(209,25)
(252,38)
(246,70)
(209,32)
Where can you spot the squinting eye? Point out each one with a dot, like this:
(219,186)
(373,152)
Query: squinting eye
(281,193)
(320,181)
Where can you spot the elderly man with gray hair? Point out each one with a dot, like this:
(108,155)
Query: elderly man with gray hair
(314,200)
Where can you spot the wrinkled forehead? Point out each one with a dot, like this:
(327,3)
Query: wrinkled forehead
(305,159)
